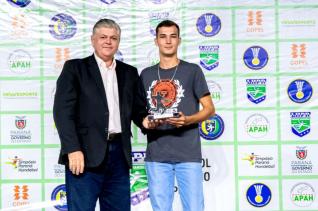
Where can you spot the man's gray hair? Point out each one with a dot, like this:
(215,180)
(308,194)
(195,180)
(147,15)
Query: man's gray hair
(107,23)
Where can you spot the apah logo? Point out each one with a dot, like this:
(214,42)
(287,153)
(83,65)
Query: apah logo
(215,90)
(19,3)
(19,61)
(300,123)
(259,195)
(254,21)
(255,57)
(298,56)
(256,90)
(62,26)
(208,25)
(212,128)
(138,179)
(59,195)
(209,56)
(21,195)
(299,91)
(302,195)
(257,126)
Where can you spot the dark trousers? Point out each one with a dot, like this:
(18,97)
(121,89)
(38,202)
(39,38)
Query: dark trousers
(109,183)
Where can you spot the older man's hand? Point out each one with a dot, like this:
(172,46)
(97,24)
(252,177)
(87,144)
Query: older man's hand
(76,162)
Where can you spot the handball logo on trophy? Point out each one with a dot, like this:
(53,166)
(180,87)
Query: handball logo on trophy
(62,26)
(164,97)
(208,25)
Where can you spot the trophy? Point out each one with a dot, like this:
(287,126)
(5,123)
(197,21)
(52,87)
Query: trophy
(163,97)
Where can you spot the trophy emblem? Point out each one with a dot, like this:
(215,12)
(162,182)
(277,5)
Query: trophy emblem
(164,97)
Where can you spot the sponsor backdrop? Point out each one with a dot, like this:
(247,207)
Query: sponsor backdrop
(260,60)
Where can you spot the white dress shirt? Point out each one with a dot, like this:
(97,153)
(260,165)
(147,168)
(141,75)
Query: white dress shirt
(109,78)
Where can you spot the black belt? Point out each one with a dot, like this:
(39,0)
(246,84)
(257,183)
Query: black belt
(114,136)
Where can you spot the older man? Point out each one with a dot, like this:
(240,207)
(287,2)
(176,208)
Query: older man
(96,99)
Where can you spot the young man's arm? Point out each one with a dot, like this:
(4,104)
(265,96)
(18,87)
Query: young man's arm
(206,111)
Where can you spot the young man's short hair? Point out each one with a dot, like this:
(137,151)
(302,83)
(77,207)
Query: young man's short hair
(167,23)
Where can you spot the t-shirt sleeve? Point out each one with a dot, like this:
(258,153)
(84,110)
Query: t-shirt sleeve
(200,86)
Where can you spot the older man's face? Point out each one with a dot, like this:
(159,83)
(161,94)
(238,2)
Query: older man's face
(105,41)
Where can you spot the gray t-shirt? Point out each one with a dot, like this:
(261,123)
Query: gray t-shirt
(178,90)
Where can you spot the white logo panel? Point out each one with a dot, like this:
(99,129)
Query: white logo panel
(20,95)
(260,160)
(20,129)
(21,164)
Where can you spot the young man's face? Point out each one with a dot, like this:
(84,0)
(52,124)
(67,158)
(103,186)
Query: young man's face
(168,40)
(105,41)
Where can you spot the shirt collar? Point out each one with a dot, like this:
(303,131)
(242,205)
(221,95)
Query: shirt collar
(102,64)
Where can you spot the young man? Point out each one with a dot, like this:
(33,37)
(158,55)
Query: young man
(96,99)
(175,87)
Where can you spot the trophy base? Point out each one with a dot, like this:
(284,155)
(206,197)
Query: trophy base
(163,116)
